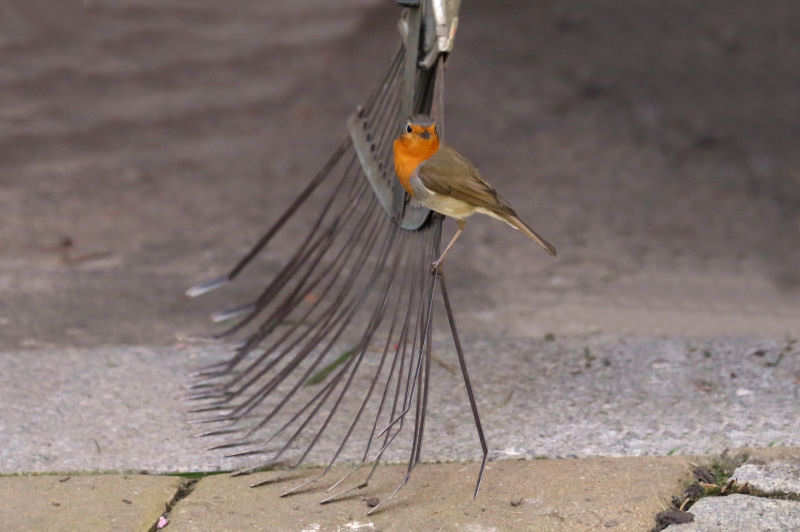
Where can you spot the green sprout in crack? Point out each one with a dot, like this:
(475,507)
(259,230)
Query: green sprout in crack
(322,374)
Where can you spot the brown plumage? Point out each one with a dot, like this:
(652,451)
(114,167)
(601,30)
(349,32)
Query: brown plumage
(440,178)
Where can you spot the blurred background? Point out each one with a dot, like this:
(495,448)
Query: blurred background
(144,145)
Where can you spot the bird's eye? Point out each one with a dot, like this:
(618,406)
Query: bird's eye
(408,128)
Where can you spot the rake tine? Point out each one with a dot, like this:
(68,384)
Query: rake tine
(256,469)
(382,503)
(377,318)
(302,485)
(462,362)
(357,277)
(231,445)
(341,321)
(344,321)
(247,453)
(304,195)
(207,286)
(272,348)
(227,314)
(220,432)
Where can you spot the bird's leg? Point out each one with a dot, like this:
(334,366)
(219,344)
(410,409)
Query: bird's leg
(438,262)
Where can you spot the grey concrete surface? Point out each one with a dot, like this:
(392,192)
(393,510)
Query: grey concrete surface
(773,477)
(145,145)
(741,513)
(548,495)
(162,139)
(124,408)
(61,503)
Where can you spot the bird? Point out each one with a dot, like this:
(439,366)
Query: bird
(441,179)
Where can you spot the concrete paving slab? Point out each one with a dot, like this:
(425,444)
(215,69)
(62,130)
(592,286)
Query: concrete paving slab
(84,502)
(772,477)
(120,408)
(621,494)
(741,513)
(161,169)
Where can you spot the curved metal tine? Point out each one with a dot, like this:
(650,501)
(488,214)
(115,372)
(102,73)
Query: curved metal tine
(216,393)
(301,258)
(419,415)
(199,394)
(388,127)
(399,354)
(334,381)
(344,317)
(401,347)
(389,337)
(333,271)
(388,79)
(406,352)
(206,286)
(231,445)
(417,288)
(381,120)
(382,89)
(266,328)
(462,362)
(375,466)
(332,386)
(385,121)
(385,446)
(301,255)
(201,371)
(218,432)
(434,252)
(280,313)
(358,264)
(201,385)
(419,360)
(304,195)
(333,496)
(391,436)
(320,323)
(233,312)
(382,503)
(377,318)
(267,388)
(387,134)
(257,469)
(274,480)
(213,284)
(415,448)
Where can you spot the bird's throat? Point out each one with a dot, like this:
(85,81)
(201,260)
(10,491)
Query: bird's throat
(408,155)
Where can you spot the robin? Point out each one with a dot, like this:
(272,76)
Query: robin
(443,180)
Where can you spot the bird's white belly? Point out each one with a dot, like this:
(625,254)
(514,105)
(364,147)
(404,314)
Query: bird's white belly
(449,206)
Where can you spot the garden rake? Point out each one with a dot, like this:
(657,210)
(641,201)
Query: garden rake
(341,336)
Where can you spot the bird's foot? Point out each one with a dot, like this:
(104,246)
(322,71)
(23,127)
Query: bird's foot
(436,266)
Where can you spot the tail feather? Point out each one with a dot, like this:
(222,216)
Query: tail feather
(516,223)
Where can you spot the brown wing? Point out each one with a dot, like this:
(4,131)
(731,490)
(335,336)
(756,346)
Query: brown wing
(447,172)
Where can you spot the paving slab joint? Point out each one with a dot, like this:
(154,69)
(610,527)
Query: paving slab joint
(184,490)
(714,480)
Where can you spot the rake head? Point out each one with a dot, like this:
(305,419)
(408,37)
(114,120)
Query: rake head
(339,341)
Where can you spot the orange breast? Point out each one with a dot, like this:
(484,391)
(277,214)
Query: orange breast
(407,159)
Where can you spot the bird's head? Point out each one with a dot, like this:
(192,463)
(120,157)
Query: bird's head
(420,135)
